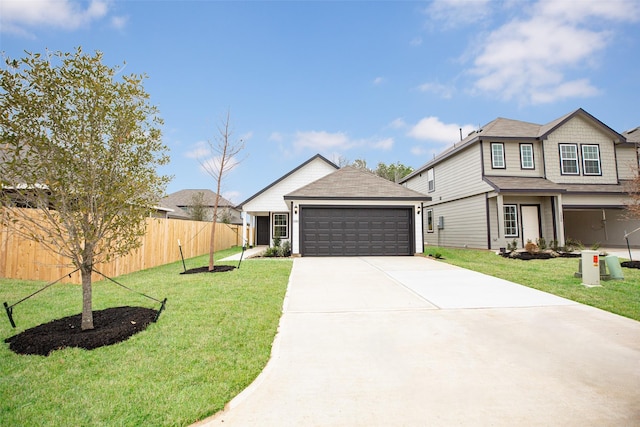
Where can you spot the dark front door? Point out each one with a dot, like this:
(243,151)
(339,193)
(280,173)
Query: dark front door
(262,232)
(356,231)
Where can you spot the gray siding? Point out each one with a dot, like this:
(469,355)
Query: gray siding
(512,159)
(627,158)
(465,223)
(455,178)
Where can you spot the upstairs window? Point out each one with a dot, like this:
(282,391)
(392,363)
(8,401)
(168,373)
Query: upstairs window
(526,156)
(431,180)
(569,159)
(591,160)
(497,155)
(281,226)
(510,220)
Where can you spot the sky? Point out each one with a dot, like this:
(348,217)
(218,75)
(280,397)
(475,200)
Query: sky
(380,81)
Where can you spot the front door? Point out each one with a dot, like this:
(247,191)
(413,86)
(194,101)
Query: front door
(530,224)
(262,232)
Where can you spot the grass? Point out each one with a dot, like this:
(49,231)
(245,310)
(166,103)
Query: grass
(555,276)
(210,343)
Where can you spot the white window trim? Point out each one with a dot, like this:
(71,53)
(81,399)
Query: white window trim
(502,156)
(533,161)
(562,159)
(430,213)
(515,210)
(585,160)
(431,181)
(274,226)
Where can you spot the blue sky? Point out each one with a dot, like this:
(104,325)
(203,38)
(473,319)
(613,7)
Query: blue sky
(380,81)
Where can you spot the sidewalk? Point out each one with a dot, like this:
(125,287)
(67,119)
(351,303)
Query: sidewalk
(248,253)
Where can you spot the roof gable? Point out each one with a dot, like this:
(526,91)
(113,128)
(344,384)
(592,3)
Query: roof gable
(545,130)
(281,184)
(350,183)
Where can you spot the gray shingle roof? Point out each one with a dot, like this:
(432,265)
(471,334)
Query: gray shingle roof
(508,184)
(350,183)
(632,135)
(184,198)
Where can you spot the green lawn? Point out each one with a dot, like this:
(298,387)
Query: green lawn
(555,276)
(210,343)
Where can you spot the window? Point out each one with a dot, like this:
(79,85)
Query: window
(526,156)
(569,159)
(497,155)
(429,220)
(280,226)
(431,180)
(510,220)
(591,160)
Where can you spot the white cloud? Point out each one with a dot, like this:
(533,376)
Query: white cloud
(276,137)
(378,81)
(326,142)
(321,141)
(443,91)
(416,41)
(200,150)
(212,165)
(119,22)
(384,144)
(232,196)
(458,13)
(530,59)
(398,123)
(15,15)
(432,129)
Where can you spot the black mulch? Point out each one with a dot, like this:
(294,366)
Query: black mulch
(630,264)
(205,269)
(111,326)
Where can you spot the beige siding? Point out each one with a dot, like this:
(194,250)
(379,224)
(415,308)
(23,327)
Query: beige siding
(593,200)
(465,223)
(580,131)
(627,162)
(512,160)
(457,177)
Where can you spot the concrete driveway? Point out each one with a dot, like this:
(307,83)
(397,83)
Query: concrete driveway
(408,341)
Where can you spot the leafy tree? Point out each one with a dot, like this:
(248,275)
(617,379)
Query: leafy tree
(82,149)
(198,207)
(225,150)
(393,172)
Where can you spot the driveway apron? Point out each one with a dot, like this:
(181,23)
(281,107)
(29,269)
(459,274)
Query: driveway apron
(408,341)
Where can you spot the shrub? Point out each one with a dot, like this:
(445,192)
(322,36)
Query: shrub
(542,243)
(513,245)
(531,247)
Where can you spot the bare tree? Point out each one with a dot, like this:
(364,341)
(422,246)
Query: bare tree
(225,152)
(81,149)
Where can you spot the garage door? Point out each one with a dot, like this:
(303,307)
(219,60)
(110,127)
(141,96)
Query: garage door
(356,231)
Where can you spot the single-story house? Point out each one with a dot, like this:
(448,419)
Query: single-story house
(182,204)
(324,210)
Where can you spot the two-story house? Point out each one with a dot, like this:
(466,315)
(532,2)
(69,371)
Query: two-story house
(513,180)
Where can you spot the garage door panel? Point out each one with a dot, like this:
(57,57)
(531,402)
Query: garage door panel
(356,231)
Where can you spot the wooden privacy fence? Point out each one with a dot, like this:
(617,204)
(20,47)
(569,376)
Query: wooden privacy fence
(24,259)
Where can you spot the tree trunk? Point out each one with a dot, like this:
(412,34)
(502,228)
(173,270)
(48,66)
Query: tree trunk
(212,244)
(87,310)
(86,269)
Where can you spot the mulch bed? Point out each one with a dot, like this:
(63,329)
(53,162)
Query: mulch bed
(111,326)
(205,269)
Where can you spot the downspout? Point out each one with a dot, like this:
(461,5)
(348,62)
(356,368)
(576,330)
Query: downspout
(486,199)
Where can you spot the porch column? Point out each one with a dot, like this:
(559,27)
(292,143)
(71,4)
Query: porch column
(252,230)
(244,229)
(559,214)
(500,200)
